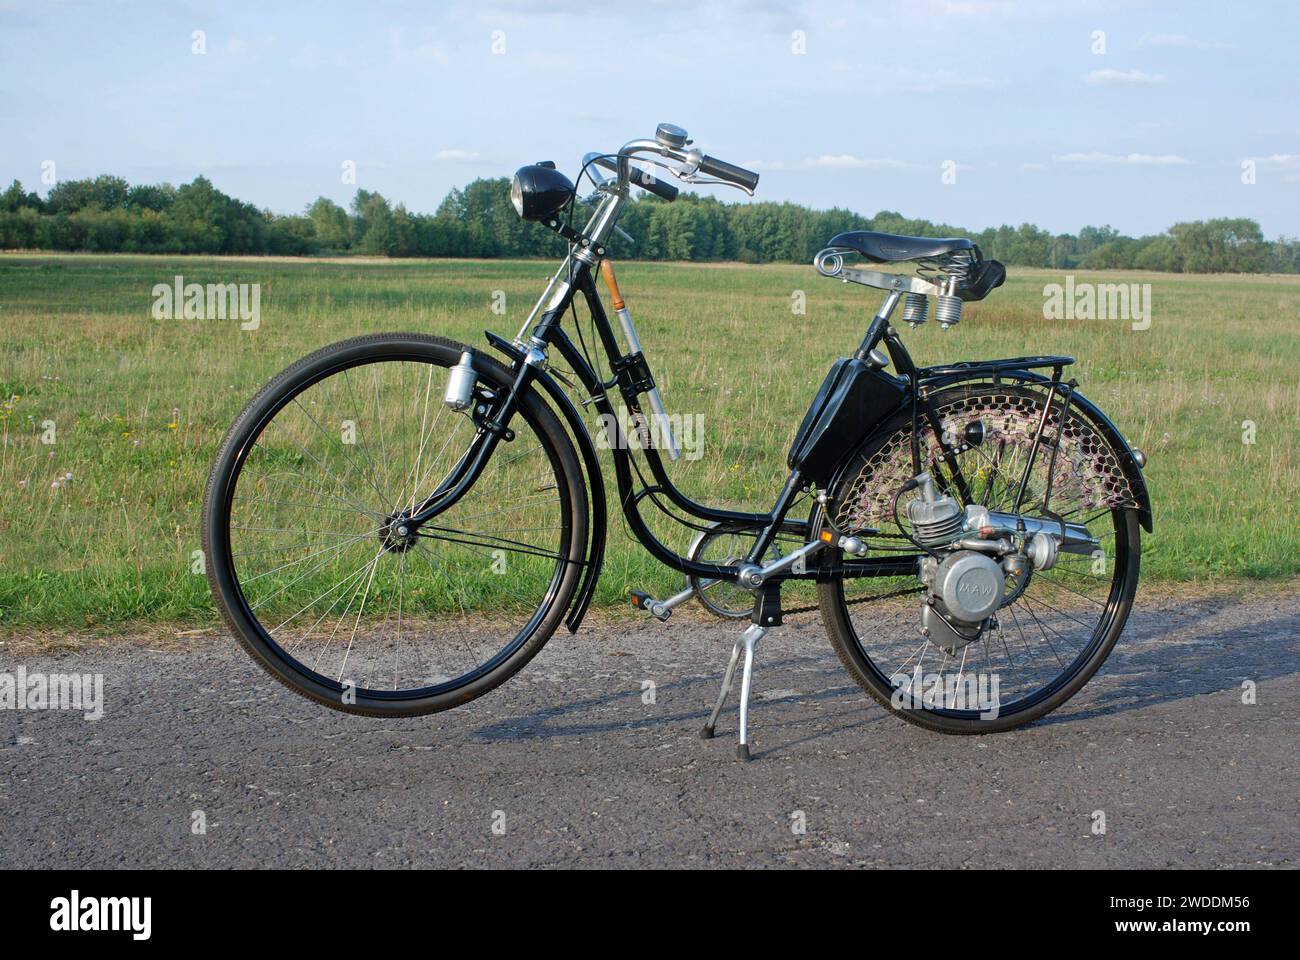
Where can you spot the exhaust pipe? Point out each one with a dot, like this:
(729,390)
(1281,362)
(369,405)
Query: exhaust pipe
(1076,538)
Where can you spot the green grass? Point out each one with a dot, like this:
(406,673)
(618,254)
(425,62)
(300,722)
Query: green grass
(140,404)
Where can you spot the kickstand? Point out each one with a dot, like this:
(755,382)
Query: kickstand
(767,614)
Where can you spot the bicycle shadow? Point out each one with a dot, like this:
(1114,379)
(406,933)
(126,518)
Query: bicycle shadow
(1218,662)
(542,724)
(1171,667)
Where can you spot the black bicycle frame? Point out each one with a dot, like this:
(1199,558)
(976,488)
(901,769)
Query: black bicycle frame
(632,378)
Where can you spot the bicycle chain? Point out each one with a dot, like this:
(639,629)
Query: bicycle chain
(849,603)
(880,596)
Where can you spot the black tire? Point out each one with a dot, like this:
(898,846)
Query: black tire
(551,442)
(838,609)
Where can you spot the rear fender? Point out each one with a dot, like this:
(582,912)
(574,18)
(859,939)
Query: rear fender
(1128,461)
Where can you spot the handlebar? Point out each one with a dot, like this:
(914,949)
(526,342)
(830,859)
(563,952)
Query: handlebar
(692,162)
(641,177)
(746,179)
(646,180)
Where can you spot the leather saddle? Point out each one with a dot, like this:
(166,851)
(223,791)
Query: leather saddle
(983,275)
(889,248)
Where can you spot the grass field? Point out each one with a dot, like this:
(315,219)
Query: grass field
(100,525)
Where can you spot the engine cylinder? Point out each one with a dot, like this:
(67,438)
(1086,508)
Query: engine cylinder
(936,518)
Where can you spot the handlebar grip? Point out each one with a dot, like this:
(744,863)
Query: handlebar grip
(646,180)
(729,172)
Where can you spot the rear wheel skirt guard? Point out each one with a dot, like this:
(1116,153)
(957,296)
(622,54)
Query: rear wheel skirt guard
(954,376)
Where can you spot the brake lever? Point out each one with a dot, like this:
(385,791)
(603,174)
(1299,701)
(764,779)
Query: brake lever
(710,182)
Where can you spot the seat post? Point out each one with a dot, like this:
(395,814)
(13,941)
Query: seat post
(879,324)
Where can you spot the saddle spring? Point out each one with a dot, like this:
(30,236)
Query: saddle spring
(915,306)
(947,273)
(947,310)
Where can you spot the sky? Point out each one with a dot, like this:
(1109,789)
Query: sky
(968,112)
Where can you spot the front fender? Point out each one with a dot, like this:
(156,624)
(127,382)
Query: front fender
(595,482)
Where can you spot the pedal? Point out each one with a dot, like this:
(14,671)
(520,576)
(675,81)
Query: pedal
(656,608)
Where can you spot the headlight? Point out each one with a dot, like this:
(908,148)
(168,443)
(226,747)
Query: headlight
(517,195)
(538,191)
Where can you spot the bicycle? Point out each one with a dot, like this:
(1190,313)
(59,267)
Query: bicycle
(397,523)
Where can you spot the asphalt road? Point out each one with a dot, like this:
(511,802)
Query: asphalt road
(567,766)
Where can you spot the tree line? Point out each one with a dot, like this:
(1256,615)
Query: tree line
(108,215)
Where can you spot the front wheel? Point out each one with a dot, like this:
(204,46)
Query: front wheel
(317,574)
(1045,642)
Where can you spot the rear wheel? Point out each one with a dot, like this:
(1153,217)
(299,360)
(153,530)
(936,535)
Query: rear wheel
(316,572)
(1037,650)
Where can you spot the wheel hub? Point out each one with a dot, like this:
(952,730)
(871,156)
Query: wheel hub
(397,533)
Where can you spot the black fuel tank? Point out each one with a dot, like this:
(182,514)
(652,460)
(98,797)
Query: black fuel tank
(852,400)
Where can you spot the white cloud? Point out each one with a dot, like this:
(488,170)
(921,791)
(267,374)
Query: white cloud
(1033,166)
(849,161)
(553,61)
(1127,159)
(1285,164)
(1124,77)
(455,156)
(432,52)
(828,161)
(979,8)
(1278,161)
(402,52)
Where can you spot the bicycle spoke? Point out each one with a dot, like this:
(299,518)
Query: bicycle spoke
(342,446)
(488,542)
(350,604)
(1068,606)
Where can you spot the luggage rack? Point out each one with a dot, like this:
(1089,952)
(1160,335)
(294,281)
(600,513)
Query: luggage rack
(992,367)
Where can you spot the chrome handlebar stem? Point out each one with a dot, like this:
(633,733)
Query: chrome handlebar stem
(604,218)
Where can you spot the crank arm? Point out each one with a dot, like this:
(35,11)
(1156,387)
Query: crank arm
(663,609)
